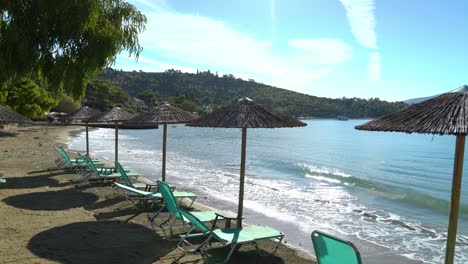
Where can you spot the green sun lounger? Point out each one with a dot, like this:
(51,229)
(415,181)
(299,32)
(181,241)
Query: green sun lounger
(75,164)
(137,185)
(148,199)
(231,237)
(103,173)
(332,250)
(170,203)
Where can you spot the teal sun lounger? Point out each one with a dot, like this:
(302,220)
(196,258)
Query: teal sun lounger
(75,164)
(127,181)
(232,237)
(103,173)
(170,203)
(148,199)
(333,250)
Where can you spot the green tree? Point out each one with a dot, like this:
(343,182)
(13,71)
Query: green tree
(188,106)
(177,100)
(65,42)
(28,98)
(102,95)
(149,97)
(66,105)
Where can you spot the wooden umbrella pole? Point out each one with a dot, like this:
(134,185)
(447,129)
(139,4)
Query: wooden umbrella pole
(87,139)
(164,153)
(455,200)
(116,143)
(242,177)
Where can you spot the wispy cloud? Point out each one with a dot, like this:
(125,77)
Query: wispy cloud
(373,68)
(324,51)
(199,42)
(273,17)
(361,18)
(149,65)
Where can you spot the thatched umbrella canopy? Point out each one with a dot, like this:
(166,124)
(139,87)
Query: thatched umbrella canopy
(115,115)
(245,113)
(83,114)
(7,115)
(164,114)
(446,114)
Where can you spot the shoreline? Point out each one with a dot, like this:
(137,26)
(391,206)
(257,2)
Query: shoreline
(196,205)
(40,203)
(297,238)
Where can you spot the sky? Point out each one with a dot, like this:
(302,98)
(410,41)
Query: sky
(390,49)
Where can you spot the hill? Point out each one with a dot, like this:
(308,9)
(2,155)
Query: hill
(206,88)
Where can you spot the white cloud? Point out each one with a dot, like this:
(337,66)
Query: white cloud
(361,18)
(373,68)
(198,42)
(273,17)
(149,65)
(324,51)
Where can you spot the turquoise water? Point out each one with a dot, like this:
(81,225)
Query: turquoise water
(384,189)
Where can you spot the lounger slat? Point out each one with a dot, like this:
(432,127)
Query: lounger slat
(247,233)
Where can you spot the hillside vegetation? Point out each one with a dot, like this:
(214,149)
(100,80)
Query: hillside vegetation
(206,88)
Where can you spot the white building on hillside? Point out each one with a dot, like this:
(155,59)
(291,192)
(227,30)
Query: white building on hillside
(206,109)
(139,104)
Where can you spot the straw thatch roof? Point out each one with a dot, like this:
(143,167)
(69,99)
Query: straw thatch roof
(82,113)
(111,115)
(444,114)
(7,115)
(246,113)
(164,114)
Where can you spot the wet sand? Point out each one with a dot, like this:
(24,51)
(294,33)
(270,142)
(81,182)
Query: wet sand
(48,215)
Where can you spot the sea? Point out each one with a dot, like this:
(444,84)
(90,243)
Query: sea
(386,192)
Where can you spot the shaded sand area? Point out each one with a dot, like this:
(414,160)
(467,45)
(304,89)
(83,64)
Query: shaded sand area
(48,215)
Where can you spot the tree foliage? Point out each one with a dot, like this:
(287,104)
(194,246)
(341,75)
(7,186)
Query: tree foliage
(103,95)
(28,98)
(149,97)
(207,88)
(183,102)
(65,42)
(66,105)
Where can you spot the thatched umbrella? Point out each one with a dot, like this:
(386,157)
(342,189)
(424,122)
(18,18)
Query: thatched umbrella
(446,114)
(164,114)
(244,114)
(7,115)
(83,114)
(115,115)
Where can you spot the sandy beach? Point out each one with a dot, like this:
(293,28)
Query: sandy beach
(48,215)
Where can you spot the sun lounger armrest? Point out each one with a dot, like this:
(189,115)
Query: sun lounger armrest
(149,187)
(107,170)
(78,161)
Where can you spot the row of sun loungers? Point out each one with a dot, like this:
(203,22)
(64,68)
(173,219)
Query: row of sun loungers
(328,249)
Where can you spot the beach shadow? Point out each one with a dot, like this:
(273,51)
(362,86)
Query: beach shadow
(100,242)
(29,182)
(7,134)
(104,203)
(46,170)
(125,215)
(52,201)
(28,130)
